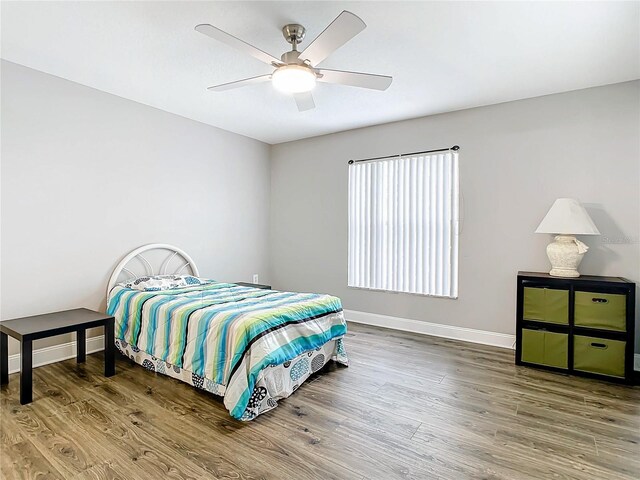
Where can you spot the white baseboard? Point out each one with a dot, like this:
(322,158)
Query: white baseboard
(437,330)
(56,353)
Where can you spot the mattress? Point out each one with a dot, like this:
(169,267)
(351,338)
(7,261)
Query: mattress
(251,346)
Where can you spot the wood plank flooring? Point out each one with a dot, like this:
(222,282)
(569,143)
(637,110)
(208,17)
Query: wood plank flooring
(408,407)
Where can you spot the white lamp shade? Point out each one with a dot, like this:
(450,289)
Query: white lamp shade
(566,216)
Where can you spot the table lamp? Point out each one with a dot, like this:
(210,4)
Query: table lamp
(566,218)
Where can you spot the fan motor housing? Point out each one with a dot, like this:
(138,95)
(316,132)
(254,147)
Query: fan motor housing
(291,58)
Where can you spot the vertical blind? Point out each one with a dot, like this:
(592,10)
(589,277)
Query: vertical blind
(403,224)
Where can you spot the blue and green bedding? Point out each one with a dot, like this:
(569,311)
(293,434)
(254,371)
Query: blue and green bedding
(224,333)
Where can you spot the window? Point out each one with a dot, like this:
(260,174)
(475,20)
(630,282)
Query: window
(403,224)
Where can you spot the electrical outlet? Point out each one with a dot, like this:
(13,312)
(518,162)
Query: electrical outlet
(255,278)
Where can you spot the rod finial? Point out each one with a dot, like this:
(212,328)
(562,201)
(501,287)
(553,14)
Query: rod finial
(350,162)
(455,148)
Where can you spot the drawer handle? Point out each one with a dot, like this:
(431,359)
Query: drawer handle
(599,300)
(598,345)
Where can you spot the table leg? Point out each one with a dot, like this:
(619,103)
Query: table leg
(4,359)
(81,345)
(109,348)
(26,377)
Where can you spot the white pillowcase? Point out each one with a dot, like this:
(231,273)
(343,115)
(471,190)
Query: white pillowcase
(156,283)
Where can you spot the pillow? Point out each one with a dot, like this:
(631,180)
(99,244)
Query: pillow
(155,283)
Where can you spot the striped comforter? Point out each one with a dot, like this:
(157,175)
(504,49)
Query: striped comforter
(224,332)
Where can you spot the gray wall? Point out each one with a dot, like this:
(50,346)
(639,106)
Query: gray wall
(516,158)
(88,176)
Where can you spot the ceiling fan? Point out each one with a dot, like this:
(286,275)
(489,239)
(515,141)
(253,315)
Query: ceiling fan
(296,73)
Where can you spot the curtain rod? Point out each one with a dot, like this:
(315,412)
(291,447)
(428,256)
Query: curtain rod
(455,148)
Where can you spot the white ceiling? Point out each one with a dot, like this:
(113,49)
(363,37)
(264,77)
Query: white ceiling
(443,56)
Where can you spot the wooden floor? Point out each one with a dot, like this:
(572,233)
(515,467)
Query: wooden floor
(408,407)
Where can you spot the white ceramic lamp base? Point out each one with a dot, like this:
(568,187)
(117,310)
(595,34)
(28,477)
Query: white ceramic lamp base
(565,254)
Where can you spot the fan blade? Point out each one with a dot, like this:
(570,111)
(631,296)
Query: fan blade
(340,31)
(355,79)
(304,101)
(239,83)
(224,37)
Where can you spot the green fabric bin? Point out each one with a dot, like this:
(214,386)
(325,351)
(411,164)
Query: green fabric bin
(607,311)
(545,348)
(546,305)
(599,355)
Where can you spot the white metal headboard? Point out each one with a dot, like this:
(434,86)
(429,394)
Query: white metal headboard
(163,268)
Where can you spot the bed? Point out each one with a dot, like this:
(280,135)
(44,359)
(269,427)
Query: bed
(249,345)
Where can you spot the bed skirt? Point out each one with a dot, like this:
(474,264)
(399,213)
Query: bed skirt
(272,384)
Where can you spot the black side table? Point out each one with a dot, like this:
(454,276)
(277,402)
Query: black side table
(28,329)
(253,285)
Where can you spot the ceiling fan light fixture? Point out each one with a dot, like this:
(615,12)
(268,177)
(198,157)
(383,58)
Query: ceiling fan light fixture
(293,79)
(296,72)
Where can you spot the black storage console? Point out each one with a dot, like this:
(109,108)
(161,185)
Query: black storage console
(583,326)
